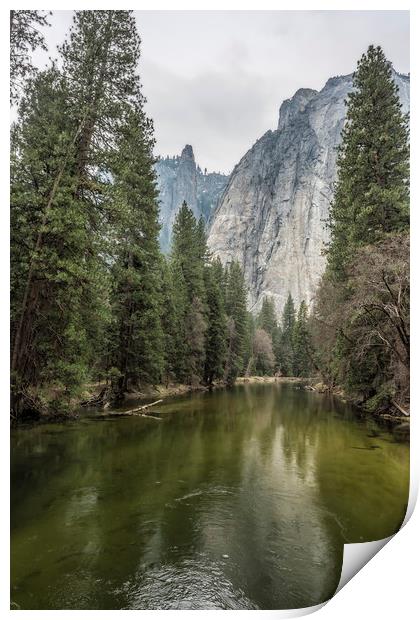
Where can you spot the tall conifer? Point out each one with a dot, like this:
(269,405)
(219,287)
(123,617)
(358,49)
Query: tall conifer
(136,303)
(64,148)
(236,322)
(286,347)
(267,319)
(371,195)
(302,347)
(216,331)
(188,259)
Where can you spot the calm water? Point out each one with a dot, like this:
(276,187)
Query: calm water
(237,499)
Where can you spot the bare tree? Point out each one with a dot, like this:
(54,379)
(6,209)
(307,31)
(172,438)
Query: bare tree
(361,328)
(378,308)
(263,355)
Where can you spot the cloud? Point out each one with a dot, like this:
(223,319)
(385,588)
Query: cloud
(215,79)
(219,113)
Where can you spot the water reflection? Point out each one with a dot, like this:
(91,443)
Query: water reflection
(238,499)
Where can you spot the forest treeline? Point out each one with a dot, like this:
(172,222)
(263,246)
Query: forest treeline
(94,300)
(92,297)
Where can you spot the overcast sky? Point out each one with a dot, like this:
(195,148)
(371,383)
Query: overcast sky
(215,79)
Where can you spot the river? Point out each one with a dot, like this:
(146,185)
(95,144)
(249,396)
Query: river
(236,499)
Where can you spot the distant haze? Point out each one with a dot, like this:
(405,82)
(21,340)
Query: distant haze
(215,79)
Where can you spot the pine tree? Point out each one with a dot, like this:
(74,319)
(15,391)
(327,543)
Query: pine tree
(187,257)
(371,195)
(195,329)
(57,276)
(302,347)
(25,37)
(188,250)
(267,319)
(203,252)
(173,310)
(277,347)
(286,348)
(138,341)
(369,218)
(249,362)
(181,302)
(220,276)
(216,331)
(100,59)
(236,322)
(64,147)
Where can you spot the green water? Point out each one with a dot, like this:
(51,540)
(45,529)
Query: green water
(238,499)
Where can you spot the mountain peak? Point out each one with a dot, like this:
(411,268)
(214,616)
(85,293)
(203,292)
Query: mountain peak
(338,79)
(290,108)
(179,179)
(271,216)
(187,152)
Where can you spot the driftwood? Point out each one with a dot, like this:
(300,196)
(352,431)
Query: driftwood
(143,407)
(138,411)
(400,409)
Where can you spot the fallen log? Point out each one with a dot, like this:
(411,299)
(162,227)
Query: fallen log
(138,411)
(113,416)
(400,409)
(143,407)
(146,415)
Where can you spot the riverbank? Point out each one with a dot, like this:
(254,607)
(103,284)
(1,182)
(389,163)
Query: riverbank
(149,393)
(162,391)
(181,389)
(91,397)
(95,395)
(393,413)
(257,379)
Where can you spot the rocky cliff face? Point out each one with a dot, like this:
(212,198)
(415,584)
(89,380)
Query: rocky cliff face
(272,215)
(179,179)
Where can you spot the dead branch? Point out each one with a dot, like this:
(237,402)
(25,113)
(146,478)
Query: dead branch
(400,409)
(143,407)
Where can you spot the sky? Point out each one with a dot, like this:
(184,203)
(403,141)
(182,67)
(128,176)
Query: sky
(216,79)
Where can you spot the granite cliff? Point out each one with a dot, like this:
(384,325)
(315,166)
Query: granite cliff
(179,179)
(272,215)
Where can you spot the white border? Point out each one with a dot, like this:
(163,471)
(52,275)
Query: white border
(386,586)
